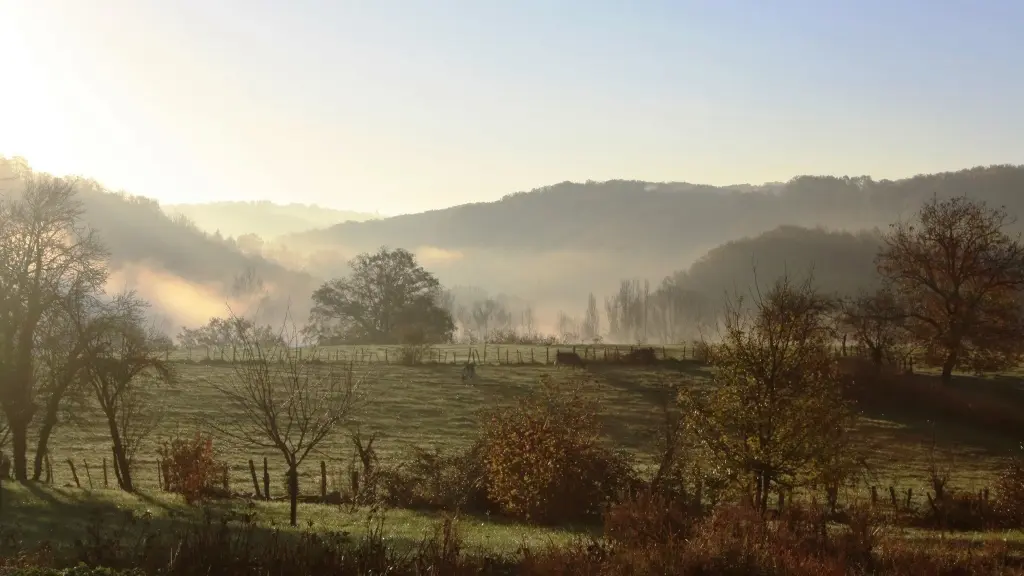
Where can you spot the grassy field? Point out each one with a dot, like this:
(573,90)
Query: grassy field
(429,406)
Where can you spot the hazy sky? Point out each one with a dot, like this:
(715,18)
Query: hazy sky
(401,106)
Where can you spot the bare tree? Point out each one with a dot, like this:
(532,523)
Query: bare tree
(876,323)
(45,253)
(591,327)
(289,405)
(123,357)
(959,279)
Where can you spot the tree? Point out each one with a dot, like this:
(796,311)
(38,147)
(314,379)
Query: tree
(487,313)
(591,327)
(388,298)
(777,416)
(62,351)
(288,405)
(958,277)
(45,254)
(121,357)
(875,322)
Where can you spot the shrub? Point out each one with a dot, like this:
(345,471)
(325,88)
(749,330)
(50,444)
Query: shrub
(649,517)
(543,461)
(413,354)
(190,468)
(1010,491)
(436,479)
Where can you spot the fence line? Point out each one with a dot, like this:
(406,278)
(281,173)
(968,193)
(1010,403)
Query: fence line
(442,354)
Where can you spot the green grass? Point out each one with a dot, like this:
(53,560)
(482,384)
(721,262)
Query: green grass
(61,515)
(429,406)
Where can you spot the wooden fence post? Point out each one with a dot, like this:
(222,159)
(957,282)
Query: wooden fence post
(88,476)
(266,479)
(74,474)
(106,484)
(323,480)
(255,480)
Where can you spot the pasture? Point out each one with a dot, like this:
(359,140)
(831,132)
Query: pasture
(428,406)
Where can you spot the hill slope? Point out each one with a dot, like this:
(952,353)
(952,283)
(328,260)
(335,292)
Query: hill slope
(263,218)
(186,273)
(664,218)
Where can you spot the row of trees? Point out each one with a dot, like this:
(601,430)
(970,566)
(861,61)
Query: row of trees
(65,344)
(62,341)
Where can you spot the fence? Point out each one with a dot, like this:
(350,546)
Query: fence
(446,354)
(264,482)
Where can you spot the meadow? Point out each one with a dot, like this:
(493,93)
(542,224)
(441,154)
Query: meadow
(429,406)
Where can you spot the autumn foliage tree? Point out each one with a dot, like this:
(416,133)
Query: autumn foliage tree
(958,277)
(776,416)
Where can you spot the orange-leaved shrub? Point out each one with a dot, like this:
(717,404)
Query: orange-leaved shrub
(190,467)
(543,460)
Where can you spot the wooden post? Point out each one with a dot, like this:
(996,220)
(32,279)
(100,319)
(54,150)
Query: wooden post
(547,355)
(74,474)
(161,478)
(106,484)
(323,480)
(266,479)
(255,480)
(88,476)
(49,469)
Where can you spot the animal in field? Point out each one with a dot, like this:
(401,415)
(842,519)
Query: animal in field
(568,359)
(469,371)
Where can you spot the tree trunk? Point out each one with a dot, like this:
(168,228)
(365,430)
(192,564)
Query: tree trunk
(49,423)
(120,458)
(947,367)
(50,419)
(293,493)
(19,446)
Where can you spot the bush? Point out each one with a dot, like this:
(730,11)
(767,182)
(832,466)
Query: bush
(190,468)
(543,462)
(1010,491)
(413,354)
(435,479)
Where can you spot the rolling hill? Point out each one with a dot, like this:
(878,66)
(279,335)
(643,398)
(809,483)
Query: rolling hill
(263,218)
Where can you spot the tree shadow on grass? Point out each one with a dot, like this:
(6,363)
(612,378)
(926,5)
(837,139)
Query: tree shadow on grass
(979,419)
(74,527)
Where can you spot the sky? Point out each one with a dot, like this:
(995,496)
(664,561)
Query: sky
(404,106)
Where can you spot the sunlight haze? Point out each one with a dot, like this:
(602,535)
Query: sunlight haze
(402,107)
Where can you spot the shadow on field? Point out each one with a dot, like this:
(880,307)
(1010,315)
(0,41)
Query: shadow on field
(78,524)
(969,421)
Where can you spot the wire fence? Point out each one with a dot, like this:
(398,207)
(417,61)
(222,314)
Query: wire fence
(444,354)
